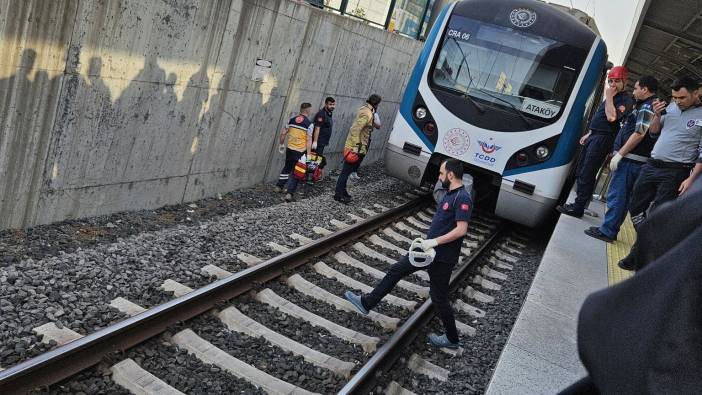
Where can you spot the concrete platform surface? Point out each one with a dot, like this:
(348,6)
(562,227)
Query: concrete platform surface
(541,355)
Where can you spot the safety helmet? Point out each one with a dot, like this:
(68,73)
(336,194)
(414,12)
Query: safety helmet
(618,72)
(418,257)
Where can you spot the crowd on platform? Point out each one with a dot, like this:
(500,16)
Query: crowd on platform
(654,151)
(644,335)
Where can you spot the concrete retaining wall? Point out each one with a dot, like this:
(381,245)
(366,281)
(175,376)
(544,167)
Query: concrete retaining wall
(127,104)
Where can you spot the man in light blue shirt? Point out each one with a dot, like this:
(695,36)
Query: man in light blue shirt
(676,158)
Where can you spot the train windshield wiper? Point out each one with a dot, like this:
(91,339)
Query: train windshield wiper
(470,78)
(471,84)
(512,106)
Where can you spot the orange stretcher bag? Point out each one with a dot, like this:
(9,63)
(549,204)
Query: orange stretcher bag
(350,156)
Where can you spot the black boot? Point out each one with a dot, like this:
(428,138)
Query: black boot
(570,209)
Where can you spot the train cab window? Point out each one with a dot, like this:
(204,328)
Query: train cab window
(511,73)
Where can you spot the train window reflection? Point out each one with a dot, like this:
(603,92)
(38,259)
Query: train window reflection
(506,67)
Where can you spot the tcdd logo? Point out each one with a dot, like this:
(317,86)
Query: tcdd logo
(488,148)
(485,158)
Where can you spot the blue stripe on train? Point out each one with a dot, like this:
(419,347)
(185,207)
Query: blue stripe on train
(413,83)
(568,141)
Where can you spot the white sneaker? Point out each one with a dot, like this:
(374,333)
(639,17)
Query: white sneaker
(354,176)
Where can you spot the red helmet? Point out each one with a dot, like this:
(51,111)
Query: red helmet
(618,72)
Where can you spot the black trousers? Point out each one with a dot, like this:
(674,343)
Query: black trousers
(291,157)
(654,186)
(342,181)
(597,147)
(439,276)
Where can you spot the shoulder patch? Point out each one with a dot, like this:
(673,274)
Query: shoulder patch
(465,206)
(621,108)
(299,119)
(320,119)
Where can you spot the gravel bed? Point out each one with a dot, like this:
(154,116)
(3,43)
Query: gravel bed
(69,235)
(96,380)
(73,280)
(471,372)
(382,266)
(368,280)
(267,357)
(349,320)
(392,254)
(338,289)
(174,366)
(301,331)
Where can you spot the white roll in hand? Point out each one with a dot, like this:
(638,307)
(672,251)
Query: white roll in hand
(418,256)
(429,244)
(281,148)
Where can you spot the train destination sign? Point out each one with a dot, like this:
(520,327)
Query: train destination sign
(539,108)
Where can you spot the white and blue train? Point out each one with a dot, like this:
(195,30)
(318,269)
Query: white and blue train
(505,87)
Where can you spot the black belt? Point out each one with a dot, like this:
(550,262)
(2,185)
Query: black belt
(670,165)
(601,133)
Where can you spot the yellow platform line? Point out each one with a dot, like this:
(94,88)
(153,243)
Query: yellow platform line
(618,250)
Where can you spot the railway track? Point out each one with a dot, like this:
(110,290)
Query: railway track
(302,286)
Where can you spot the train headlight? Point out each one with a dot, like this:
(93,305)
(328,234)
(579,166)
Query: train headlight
(420,113)
(542,152)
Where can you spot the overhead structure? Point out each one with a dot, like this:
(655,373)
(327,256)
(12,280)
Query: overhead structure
(666,42)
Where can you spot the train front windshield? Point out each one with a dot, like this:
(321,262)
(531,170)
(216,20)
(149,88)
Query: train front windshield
(507,68)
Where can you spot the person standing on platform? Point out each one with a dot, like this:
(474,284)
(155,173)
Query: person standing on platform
(445,235)
(356,145)
(323,124)
(676,158)
(598,141)
(377,125)
(632,148)
(299,132)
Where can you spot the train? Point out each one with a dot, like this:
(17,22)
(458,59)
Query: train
(507,88)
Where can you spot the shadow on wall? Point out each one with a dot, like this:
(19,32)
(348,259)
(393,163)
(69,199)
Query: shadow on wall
(23,141)
(95,139)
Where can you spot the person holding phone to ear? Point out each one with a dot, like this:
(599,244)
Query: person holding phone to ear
(632,148)
(598,142)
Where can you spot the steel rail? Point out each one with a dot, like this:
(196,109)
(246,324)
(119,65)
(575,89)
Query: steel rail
(71,358)
(364,380)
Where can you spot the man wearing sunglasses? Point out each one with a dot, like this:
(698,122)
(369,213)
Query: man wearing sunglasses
(599,140)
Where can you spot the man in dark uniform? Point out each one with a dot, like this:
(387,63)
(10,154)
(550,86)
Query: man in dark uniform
(598,141)
(448,227)
(632,149)
(323,124)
